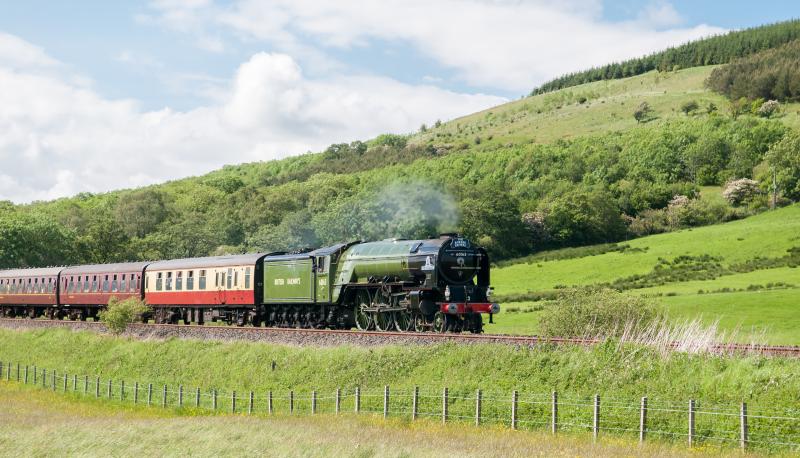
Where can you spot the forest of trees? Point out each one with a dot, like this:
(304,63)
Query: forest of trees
(773,74)
(511,199)
(714,50)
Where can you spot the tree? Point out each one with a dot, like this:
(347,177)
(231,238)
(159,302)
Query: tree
(783,159)
(642,112)
(492,220)
(139,212)
(583,216)
(738,107)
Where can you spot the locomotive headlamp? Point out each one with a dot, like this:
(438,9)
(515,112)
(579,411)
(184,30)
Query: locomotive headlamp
(447,293)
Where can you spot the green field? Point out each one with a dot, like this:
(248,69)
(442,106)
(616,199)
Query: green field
(768,309)
(79,427)
(619,374)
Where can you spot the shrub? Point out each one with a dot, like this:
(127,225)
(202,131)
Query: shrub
(642,112)
(119,314)
(689,107)
(596,313)
(769,108)
(738,191)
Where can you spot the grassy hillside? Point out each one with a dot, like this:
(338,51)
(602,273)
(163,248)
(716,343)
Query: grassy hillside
(747,280)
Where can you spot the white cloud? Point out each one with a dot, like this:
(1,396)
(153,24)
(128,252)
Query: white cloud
(58,137)
(504,44)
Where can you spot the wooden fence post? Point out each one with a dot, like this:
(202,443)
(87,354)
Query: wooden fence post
(26,375)
(554,414)
(514,396)
(85,384)
(74,382)
(250,405)
(415,403)
(444,405)
(214,399)
(197,397)
(35,376)
(338,400)
(291,401)
(478,401)
(122,390)
(691,422)
(358,400)
(743,432)
(54,381)
(44,378)
(313,402)
(386,401)
(97,387)
(643,419)
(269,402)
(180,395)
(233,401)
(149,394)
(135,392)
(596,422)
(66,382)
(18,372)
(109,388)
(164,397)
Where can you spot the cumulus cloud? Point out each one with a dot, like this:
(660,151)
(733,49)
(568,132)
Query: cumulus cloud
(59,137)
(504,44)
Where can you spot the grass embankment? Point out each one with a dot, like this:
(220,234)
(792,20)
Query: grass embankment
(619,375)
(766,300)
(79,427)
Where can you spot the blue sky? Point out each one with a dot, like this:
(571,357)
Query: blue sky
(97,95)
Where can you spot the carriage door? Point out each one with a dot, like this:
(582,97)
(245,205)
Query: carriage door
(323,288)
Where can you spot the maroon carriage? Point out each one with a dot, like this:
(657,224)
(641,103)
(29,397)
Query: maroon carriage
(29,292)
(85,289)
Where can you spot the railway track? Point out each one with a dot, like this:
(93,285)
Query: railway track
(330,337)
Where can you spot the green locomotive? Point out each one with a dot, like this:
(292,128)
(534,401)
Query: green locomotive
(435,285)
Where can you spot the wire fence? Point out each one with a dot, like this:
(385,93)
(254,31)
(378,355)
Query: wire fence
(693,421)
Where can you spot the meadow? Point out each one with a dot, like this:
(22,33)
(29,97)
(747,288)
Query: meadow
(75,426)
(716,284)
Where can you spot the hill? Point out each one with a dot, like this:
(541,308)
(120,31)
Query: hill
(743,274)
(713,50)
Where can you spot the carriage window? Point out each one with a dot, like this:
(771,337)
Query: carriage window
(179,281)
(114,284)
(190,280)
(106,285)
(236,278)
(95,285)
(230,277)
(135,282)
(202,280)
(51,285)
(158,281)
(35,288)
(86,284)
(29,288)
(169,281)
(247,278)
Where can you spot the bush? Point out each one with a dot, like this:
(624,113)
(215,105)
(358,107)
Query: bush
(740,191)
(119,314)
(596,313)
(689,107)
(769,108)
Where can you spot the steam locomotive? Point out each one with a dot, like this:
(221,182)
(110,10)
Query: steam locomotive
(439,285)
